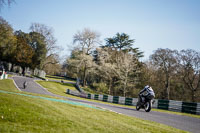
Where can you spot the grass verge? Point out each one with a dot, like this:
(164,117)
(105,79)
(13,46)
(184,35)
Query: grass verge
(8,85)
(26,114)
(177,113)
(59,78)
(9,75)
(57,88)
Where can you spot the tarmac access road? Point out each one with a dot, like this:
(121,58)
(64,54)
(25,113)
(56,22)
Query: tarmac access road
(182,122)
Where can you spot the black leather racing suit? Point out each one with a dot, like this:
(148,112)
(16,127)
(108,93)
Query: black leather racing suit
(145,92)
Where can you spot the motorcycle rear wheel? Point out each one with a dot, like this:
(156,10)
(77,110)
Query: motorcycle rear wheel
(137,107)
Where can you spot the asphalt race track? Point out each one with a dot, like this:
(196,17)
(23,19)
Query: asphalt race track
(181,122)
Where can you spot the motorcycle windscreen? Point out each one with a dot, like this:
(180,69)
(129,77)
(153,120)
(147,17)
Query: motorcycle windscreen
(150,96)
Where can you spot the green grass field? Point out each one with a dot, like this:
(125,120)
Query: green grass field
(25,114)
(56,88)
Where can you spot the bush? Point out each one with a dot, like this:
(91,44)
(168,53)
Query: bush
(100,87)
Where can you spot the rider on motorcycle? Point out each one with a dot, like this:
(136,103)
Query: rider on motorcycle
(146,92)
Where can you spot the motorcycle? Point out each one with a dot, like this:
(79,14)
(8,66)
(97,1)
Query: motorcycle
(145,102)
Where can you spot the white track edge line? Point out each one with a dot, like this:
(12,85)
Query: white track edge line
(15,84)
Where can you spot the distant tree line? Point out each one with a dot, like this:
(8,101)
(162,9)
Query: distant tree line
(35,49)
(115,68)
(175,74)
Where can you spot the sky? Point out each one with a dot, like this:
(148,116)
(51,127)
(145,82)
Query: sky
(173,24)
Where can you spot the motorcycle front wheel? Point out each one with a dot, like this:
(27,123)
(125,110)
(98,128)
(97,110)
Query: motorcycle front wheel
(147,106)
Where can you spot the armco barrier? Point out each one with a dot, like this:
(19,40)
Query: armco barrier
(128,101)
(105,98)
(155,105)
(175,106)
(110,98)
(115,99)
(96,97)
(189,107)
(172,105)
(163,104)
(92,96)
(89,95)
(198,108)
(134,102)
(76,93)
(100,98)
(122,100)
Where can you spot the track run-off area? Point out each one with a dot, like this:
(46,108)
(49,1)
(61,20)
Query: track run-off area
(182,122)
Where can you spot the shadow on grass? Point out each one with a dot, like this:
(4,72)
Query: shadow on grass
(68,84)
(58,77)
(64,84)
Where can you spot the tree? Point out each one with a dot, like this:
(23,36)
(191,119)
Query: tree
(189,69)
(83,63)
(7,41)
(126,70)
(86,41)
(166,62)
(50,41)
(38,44)
(123,42)
(106,67)
(153,76)
(30,50)
(24,52)
(119,69)
(123,61)
(52,68)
